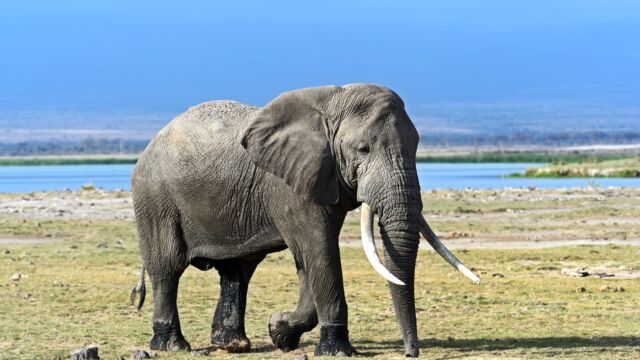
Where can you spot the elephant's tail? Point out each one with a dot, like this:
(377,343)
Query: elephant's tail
(139,289)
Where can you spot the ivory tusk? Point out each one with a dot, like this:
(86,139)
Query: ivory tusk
(369,245)
(442,250)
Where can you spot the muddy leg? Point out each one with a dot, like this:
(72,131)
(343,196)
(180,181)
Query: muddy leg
(227,328)
(167,335)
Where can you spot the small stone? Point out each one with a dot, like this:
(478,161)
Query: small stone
(301,357)
(102,245)
(140,354)
(581,290)
(16,277)
(86,353)
(201,352)
(498,275)
(619,289)
(604,288)
(7,251)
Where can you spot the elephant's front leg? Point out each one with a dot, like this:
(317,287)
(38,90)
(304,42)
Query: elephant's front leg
(227,328)
(321,263)
(286,328)
(319,257)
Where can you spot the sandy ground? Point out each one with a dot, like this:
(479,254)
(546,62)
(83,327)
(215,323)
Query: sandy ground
(500,219)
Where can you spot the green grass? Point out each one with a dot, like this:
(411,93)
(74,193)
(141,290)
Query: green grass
(593,168)
(517,157)
(53,160)
(422,157)
(74,291)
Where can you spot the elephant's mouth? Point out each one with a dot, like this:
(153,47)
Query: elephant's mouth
(369,246)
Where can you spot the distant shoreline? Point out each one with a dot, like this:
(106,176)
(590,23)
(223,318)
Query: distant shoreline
(423,156)
(67,160)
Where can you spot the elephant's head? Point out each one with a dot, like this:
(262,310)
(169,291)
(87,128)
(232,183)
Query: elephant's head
(349,145)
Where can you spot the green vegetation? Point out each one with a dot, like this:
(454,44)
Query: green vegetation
(54,160)
(517,156)
(75,285)
(422,157)
(621,168)
(75,291)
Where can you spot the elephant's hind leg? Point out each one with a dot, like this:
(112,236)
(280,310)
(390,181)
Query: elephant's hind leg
(227,328)
(161,241)
(286,328)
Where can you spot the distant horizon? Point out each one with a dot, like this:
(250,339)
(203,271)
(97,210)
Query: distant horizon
(163,57)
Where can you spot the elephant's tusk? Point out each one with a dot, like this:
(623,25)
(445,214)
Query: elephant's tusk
(369,245)
(442,250)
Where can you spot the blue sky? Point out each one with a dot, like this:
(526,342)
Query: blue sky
(161,55)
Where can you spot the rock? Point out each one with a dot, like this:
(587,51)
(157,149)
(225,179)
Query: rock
(581,290)
(7,251)
(86,353)
(579,272)
(604,288)
(141,354)
(201,352)
(16,277)
(498,275)
(301,357)
(619,289)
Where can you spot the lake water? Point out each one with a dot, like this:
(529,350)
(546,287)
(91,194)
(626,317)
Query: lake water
(432,176)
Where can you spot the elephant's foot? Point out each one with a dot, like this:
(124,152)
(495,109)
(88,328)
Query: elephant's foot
(284,336)
(168,338)
(231,340)
(334,341)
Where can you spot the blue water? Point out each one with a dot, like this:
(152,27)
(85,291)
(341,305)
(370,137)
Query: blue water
(432,176)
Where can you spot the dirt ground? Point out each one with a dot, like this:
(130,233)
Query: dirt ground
(509,218)
(69,259)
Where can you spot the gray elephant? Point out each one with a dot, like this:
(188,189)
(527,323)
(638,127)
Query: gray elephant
(225,183)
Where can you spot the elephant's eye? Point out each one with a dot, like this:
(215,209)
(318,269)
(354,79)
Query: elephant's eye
(363,149)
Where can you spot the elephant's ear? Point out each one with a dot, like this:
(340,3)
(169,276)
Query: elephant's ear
(290,139)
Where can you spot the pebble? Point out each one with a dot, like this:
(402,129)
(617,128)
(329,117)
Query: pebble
(301,357)
(86,353)
(619,289)
(604,288)
(201,352)
(7,251)
(140,354)
(581,290)
(16,277)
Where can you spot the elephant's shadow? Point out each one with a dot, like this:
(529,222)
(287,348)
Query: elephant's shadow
(553,344)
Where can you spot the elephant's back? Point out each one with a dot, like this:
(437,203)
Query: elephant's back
(206,135)
(218,115)
(208,121)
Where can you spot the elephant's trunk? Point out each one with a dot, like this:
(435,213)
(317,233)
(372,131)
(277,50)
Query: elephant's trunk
(399,205)
(400,236)
(401,223)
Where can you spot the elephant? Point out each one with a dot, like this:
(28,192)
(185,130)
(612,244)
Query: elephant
(226,183)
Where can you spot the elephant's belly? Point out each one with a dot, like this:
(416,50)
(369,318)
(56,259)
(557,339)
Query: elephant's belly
(229,242)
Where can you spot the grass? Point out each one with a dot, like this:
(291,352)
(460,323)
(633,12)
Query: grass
(422,157)
(620,168)
(75,289)
(67,160)
(518,157)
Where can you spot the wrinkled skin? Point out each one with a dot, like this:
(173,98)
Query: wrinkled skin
(226,183)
